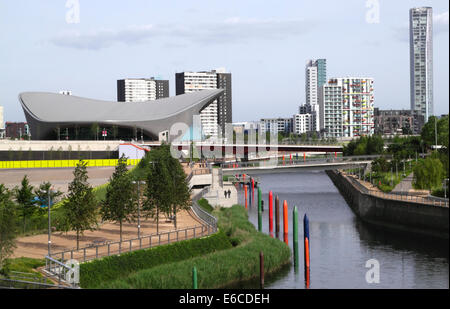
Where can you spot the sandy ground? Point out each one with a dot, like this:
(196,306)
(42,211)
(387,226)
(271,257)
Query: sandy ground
(36,246)
(59,177)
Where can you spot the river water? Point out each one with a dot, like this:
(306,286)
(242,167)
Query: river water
(341,244)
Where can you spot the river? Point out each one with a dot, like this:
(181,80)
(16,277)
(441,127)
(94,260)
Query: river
(341,244)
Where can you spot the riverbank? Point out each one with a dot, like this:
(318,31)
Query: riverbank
(393,214)
(220,268)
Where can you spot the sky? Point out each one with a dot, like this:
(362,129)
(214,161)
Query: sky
(86,46)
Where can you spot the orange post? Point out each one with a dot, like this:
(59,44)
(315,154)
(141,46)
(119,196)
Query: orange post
(283,159)
(285,221)
(290,158)
(306,252)
(245,192)
(304,157)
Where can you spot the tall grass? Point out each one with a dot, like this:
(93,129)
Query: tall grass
(97,272)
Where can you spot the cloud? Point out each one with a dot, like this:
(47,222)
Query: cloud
(232,30)
(440,25)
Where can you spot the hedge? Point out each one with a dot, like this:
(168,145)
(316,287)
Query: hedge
(97,272)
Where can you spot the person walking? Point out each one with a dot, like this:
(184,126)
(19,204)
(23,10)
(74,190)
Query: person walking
(229,193)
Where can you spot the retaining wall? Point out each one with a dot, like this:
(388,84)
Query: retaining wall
(395,214)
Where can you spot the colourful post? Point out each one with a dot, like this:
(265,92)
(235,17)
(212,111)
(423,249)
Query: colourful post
(285,221)
(283,159)
(245,194)
(304,157)
(335,154)
(306,242)
(290,158)
(271,213)
(243,178)
(194,278)
(277,216)
(259,211)
(295,236)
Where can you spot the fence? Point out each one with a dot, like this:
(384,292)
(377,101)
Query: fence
(61,163)
(96,251)
(202,214)
(398,196)
(22,280)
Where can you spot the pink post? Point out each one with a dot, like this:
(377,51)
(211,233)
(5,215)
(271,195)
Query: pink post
(271,213)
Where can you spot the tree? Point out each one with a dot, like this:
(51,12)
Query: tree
(7,226)
(158,193)
(120,200)
(180,192)
(42,196)
(81,206)
(94,131)
(429,174)
(24,197)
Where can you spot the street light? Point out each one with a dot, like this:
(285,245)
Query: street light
(49,191)
(139,207)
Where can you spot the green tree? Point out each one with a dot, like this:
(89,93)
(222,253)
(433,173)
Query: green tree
(94,131)
(7,226)
(24,197)
(42,196)
(121,198)
(429,174)
(158,192)
(81,206)
(180,194)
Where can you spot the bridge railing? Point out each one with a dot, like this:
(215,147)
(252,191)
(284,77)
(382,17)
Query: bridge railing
(294,160)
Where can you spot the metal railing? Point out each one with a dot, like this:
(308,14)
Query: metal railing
(295,161)
(144,242)
(201,213)
(400,196)
(58,270)
(22,280)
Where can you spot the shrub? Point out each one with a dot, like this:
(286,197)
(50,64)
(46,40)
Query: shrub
(93,274)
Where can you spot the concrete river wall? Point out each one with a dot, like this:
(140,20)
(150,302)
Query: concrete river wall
(403,215)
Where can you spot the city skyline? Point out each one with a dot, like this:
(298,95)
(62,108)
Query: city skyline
(265,49)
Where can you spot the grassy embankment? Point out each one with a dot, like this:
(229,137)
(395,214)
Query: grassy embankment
(218,264)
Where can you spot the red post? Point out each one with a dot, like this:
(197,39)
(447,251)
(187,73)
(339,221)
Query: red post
(285,221)
(243,175)
(245,190)
(283,159)
(335,154)
(290,158)
(271,213)
(253,186)
(304,157)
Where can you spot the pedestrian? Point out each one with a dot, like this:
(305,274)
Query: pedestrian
(225,193)
(229,193)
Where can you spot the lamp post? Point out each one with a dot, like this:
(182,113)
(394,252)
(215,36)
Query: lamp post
(138,182)
(49,191)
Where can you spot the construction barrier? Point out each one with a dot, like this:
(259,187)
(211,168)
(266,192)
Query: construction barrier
(62,163)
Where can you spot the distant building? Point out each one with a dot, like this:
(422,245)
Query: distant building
(218,113)
(141,89)
(347,107)
(421,60)
(398,122)
(277,125)
(2,123)
(17,130)
(315,78)
(244,127)
(303,123)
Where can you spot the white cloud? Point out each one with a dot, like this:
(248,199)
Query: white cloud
(440,22)
(232,30)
